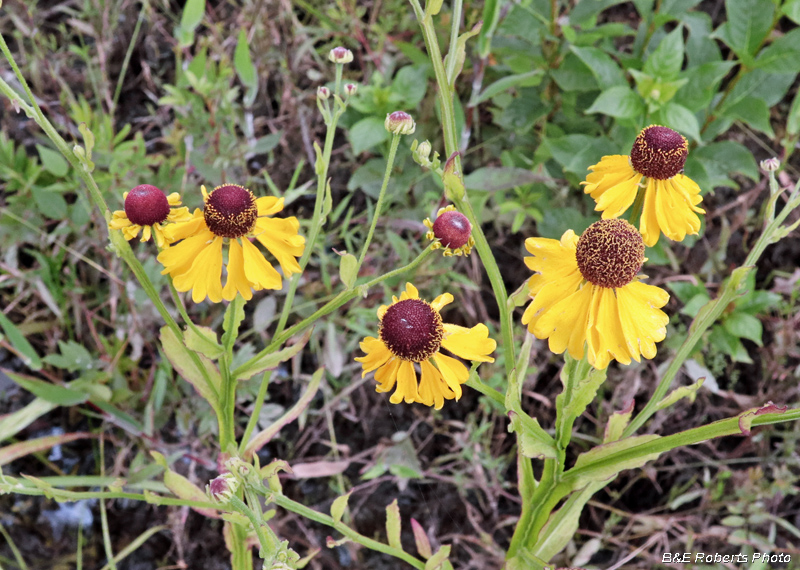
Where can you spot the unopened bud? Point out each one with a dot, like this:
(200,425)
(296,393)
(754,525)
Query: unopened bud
(340,55)
(399,123)
(423,152)
(323,92)
(222,488)
(770,164)
(350,89)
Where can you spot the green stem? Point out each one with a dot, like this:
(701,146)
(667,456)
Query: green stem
(454,25)
(256,413)
(475,383)
(331,306)
(338,88)
(227,428)
(379,204)
(316,516)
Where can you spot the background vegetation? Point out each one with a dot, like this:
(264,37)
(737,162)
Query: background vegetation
(179,98)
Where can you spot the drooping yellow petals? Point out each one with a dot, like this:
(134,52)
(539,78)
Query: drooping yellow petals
(257,269)
(433,390)
(469,344)
(237,280)
(281,239)
(204,276)
(406,384)
(376,354)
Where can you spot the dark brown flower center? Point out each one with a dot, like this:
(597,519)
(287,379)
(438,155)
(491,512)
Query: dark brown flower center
(452,229)
(230,211)
(610,253)
(412,330)
(146,205)
(659,152)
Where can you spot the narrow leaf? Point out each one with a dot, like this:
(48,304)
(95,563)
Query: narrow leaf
(338,507)
(617,423)
(26,352)
(23,448)
(53,393)
(460,54)
(393,525)
(15,422)
(182,488)
(243,63)
(206,380)
(689,392)
(438,560)
(270,361)
(594,469)
(348,269)
(234,315)
(421,540)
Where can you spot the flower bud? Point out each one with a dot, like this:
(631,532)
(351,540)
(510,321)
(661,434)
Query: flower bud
(323,92)
(423,152)
(222,488)
(340,55)
(399,123)
(350,89)
(770,164)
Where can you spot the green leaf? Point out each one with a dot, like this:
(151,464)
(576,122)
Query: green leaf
(204,341)
(367,133)
(52,161)
(667,59)
(432,7)
(782,55)
(348,269)
(460,54)
(193,12)
(793,120)
(749,22)
(619,102)
(533,441)
(234,315)
(580,381)
(266,143)
(701,85)
(393,525)
(270,361)
(753,111)
(491,17)
(409,86)
(689,392)
(617,423)
(53,393)
(574,75)
(15,422)
(438,560)
(682,120)
(598,464)
(26,352)
(50,202)
(605,70)
(243,63)
(723,158)
(338,506)
(577,152)
(181,487)
(421,540)
(188,365)
(529,79)
(74,357)
(23,448)
(791,9)
(494,178)
(744,325)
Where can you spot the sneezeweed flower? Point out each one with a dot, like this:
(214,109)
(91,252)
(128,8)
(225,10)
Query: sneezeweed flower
(231,216)
(148,210)
(350,89)
(222,487)
(411,332)
(323,93)
(586,293)
(399,123)
(670,200)
(340,55)
(452,231)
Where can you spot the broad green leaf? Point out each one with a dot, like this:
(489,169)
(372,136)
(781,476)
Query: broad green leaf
(577,152)
(748,23)
(23,448)
(234,315)
(53,393)
(700,47)
(725,157)
(701,85)
(393,525)
(206,380)
(494,178)
(409,86)
(529,79)
(598,465)
(689,392)
(367,133)
(744,325)
(533,441)
(193,12)
(266,143)
(791,9)
(574,75)
(580,381)
(204,341)
(338,506)
(15,422)
(782,55)
(667,59)
(270,361)
(606,71)
(26,352)
(50,203)
(52,161)
(682,120)
(243,63)
(584,13)
(752,111)
(348,269)
(619,102)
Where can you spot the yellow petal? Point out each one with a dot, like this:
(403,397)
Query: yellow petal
(605,338)
(131,231)
(257,269)
(182,230)
(433,390)
(648,223)
(280,237)
(268,205)
(386,375)
(406,384)
(119,220)
(564,324)
(453,372)
(237,281)
(146,233)
(610,171)
(178,258)
(410,293)
(204,277)
(158,233)
(469,344)
(441,301)
(618,198)
(174,199)
(376,354)
(643,322)
(554,291)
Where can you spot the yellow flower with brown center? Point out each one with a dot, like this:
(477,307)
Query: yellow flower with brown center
(411,332)
(587,296)
(670,200)
(232,216)
(452,232)
(148,210)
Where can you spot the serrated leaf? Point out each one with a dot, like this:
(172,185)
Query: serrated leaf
(204,341)
(190,369)
(348,269)
(619,102)
(580,381)
(270,361)
(26,352)
(596,469)
(689,392)
(338,506)
(393,525)
(531,438)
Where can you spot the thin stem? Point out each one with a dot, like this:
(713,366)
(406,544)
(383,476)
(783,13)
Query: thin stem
(455,24)
(129,53)
(486,390)
(256,413)
(379,203)
(338,87)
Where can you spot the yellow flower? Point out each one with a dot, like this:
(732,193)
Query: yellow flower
(411,331)
(231,217)
(586,293)
(670,201)
(452,231)
(149,211)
